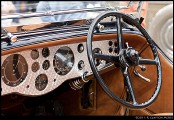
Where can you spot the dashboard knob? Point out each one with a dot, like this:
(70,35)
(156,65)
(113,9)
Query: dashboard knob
(81,65)
(80,48)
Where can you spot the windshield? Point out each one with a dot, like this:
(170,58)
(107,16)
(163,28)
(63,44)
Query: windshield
(48,11)
(36,12)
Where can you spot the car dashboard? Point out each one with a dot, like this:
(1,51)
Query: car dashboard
(46,56)
(40,62)
(39,71)
(105,65)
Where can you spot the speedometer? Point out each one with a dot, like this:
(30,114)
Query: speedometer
(63,60)
(14,70)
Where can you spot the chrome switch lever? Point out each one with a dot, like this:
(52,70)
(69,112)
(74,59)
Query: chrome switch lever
(143,68)
(139,75)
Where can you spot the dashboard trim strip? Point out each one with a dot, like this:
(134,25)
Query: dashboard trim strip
(69,41)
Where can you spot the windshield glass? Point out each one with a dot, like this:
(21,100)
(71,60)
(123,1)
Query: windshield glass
(26,8)
(36,12)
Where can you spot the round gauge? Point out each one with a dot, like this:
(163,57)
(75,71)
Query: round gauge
(34,54)
(35,66)
(45,52)
(97,61)
(14,70)
(46,64)
(63,60)
(41,82)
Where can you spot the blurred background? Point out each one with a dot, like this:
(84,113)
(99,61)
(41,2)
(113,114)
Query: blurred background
(158,18)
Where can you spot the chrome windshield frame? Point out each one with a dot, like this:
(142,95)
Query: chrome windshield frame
(52,13)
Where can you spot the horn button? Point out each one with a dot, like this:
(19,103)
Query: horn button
(129,57)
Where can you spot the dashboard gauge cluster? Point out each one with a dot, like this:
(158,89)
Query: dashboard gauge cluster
(41,80)
(41,70)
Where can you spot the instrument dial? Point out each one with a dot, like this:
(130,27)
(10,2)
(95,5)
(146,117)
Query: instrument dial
(41,82)
(14,70)
(45,52)
(35,66)
(63,60)
(34,54)
(46,64)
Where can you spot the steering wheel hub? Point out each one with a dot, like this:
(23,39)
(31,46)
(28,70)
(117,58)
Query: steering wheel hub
(128,57)
(132,56)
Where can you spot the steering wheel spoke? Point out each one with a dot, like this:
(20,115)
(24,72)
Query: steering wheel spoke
(109,58)
(119,34)
(128,83)
(147,61)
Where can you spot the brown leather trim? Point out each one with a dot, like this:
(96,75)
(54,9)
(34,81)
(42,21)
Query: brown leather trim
(163,114)
(164,101)
(126,36)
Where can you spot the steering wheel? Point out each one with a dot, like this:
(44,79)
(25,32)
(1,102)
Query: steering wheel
(126,57)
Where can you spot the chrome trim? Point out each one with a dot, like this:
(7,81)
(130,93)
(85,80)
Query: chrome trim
(38,14)
(139,75)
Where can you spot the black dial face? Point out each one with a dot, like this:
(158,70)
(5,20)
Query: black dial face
(34,54)
(45,52)
(63,60)
(46,64)
(41,82)
(14,70)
